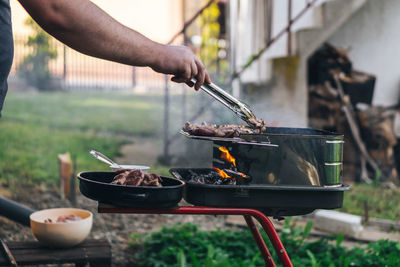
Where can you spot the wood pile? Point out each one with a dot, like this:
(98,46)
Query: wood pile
(340,100)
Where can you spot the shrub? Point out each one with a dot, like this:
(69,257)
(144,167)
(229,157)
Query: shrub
(186,245)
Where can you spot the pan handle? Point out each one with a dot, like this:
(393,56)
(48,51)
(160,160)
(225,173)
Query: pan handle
(135,195)
(15,211)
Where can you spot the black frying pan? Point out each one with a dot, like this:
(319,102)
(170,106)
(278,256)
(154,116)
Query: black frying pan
(96,186)
(273,200)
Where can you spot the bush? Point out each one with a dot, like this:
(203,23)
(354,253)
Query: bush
(35,66)
(186,245)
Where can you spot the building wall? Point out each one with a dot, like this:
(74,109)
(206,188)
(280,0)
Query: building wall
(372,36)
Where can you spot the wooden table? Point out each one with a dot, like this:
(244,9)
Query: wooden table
(94,252)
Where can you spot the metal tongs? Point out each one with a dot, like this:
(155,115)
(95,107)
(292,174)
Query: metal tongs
(239,108)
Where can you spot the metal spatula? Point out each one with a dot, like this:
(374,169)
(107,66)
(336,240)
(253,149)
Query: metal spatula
(239,108)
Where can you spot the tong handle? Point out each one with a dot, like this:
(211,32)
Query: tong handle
(238,107)
(102,157)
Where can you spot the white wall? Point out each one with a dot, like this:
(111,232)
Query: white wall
(373,35)
(248,33)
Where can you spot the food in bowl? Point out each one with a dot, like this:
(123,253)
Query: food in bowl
(64,219)
(61,234)
(136,177)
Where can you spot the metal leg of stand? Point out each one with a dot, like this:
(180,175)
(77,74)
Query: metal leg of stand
(269,262)
(274,238)
(197,210)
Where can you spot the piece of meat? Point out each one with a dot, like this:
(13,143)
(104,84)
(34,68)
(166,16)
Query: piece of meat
(258,124)
(136,177)
(134,180)
(120,178)
(68,218)
(227,130)
(152,179)
(64,219)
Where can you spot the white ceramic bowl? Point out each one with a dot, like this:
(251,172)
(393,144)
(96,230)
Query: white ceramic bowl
(61,235)
(144,169)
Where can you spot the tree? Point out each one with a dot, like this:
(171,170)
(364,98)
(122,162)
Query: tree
(35,66)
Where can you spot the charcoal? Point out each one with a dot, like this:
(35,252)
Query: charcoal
(196,178)
(210,178)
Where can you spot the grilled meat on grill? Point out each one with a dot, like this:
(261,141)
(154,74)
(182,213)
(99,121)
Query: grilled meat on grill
(226,130)
(257,123)
(136,177)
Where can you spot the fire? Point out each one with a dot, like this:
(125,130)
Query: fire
(242,174)
(221,173)
(227,156)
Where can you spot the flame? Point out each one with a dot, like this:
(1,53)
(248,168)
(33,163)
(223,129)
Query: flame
(221,173)
(227,156)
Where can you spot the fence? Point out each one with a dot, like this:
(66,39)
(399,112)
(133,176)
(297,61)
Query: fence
(77,71)
(80,72)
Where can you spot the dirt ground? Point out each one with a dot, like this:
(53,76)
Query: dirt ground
(142,151)
(116,228)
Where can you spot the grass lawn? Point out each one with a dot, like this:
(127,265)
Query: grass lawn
(382,202)
(35,127)
(111,113)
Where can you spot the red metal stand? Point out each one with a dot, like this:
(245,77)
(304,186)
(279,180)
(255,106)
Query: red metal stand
(247,214)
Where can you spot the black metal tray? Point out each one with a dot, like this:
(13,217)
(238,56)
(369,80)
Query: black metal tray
(273,200)
(96,186)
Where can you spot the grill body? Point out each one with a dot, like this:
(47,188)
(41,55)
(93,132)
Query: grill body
(301,156)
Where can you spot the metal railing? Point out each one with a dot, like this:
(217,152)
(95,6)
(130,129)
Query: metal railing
(76,71)
(272,39)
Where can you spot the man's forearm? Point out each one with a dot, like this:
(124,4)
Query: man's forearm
(83,26)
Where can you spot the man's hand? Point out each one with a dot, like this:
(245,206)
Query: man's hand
(181,62)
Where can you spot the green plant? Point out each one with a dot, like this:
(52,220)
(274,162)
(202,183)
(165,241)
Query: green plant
(184,245)
(216,248)
(209,35)
(35,66)
(382,202)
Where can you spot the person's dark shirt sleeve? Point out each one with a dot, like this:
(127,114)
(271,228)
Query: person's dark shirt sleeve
(6,48)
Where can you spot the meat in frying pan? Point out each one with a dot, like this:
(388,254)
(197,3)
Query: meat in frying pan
(136,177)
